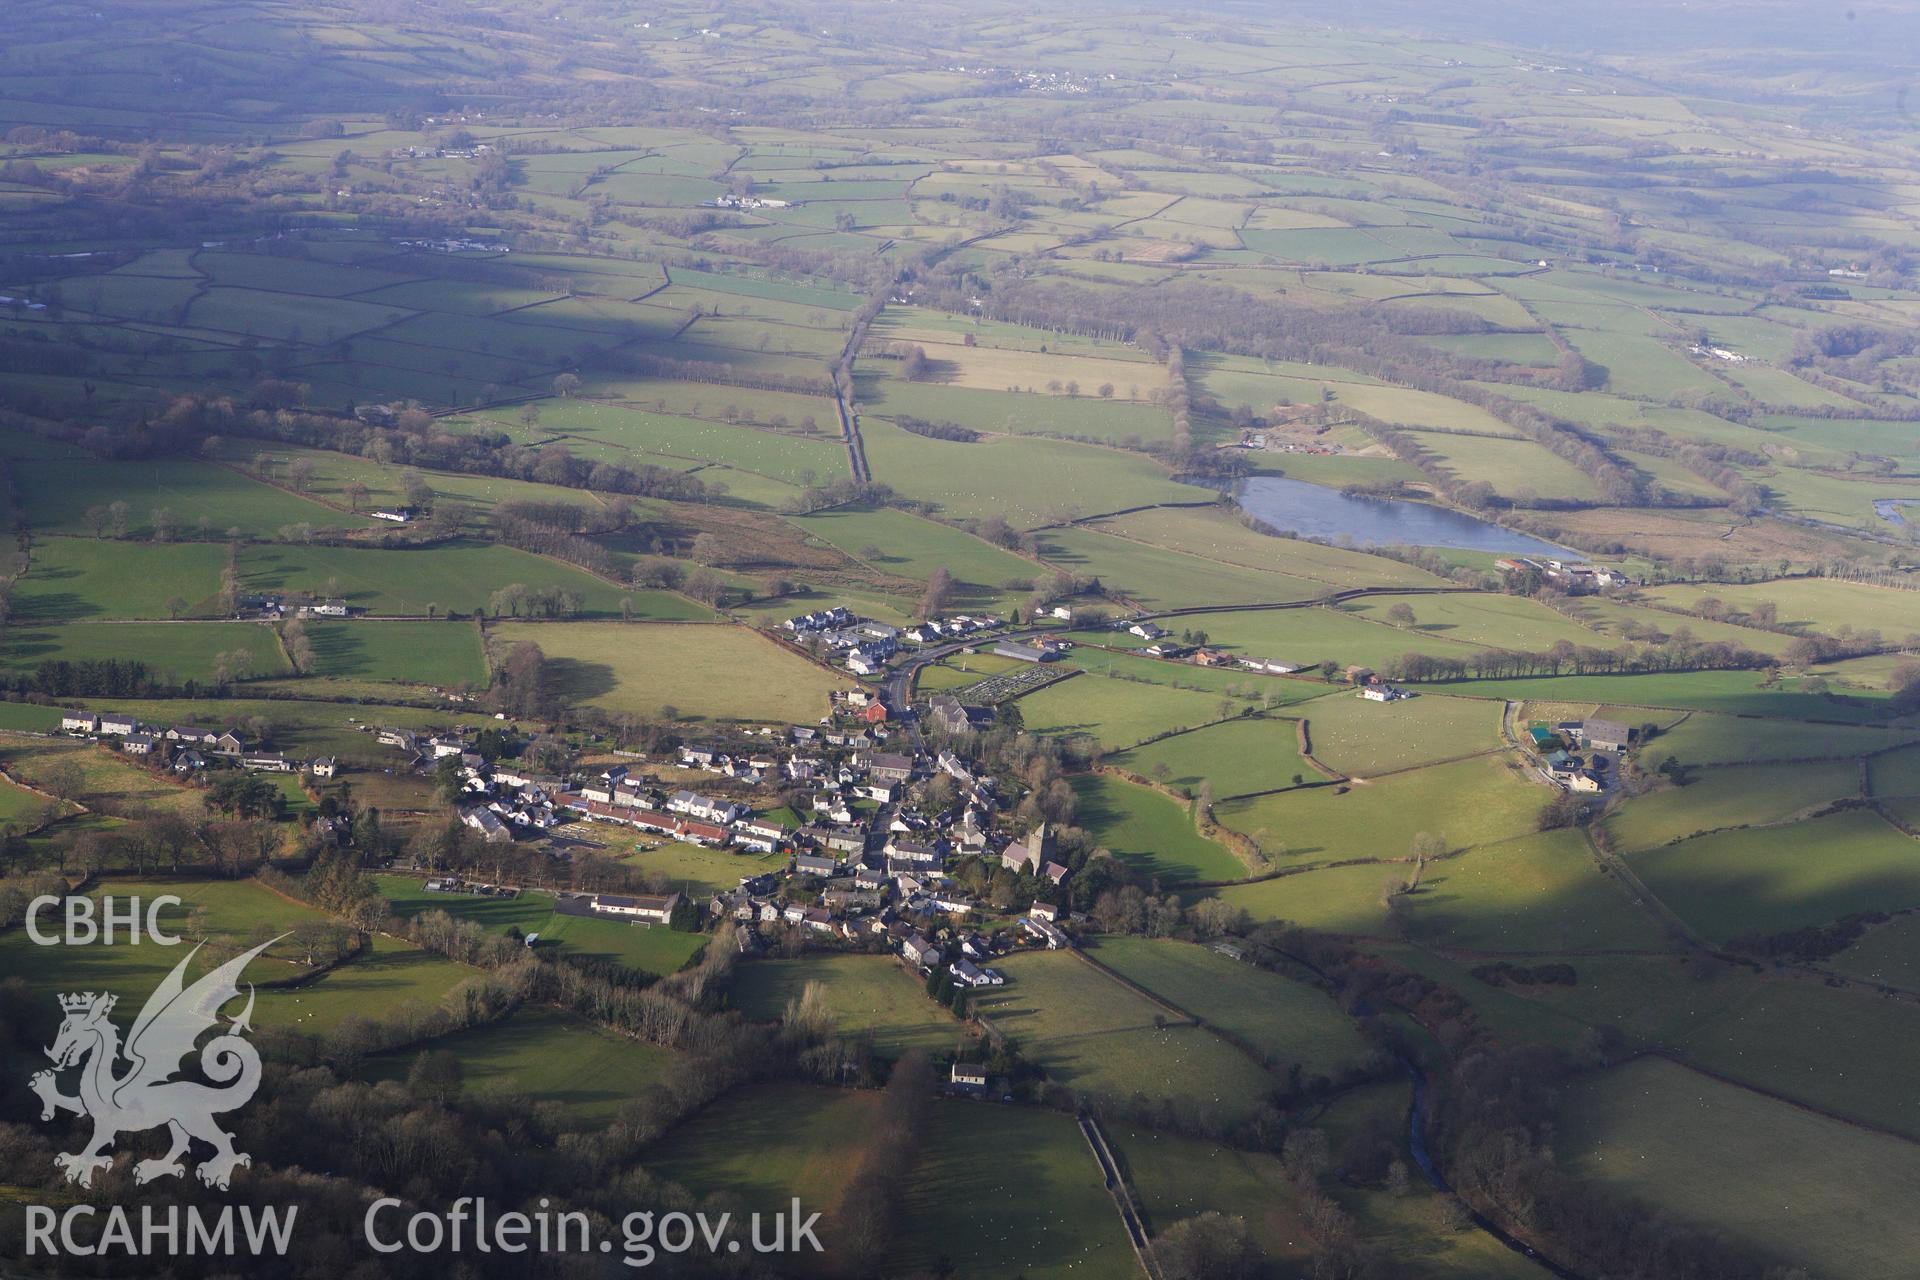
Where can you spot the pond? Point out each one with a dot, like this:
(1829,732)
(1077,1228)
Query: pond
(1315,511)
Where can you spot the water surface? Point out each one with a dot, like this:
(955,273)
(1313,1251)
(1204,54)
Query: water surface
(1315,511)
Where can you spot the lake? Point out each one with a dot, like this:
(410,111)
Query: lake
(1315,511)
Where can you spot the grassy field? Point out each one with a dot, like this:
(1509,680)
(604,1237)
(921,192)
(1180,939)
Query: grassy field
(1745,693)
(107,778)
(85,579)
(699,870)
(651,948)
(1216,535)
(1117,713)
(55,497)
(1496,621)
(1780,878)
(1287,1022)
(1467,803)
(439,653)
(1175,1178)
(390,976)
(1712,739)
(547,1056)
(1711,1153)
(706,672)
(910,547)
(1029,481)
(1150,832)
(175,651)
(1360,737)
(1053,1220)
(769,1143)
(1534,893)
(456,577)
(1732,796)
(1237,757)
(867,995)
(1095,1036)
(1156,578)
(1808,604)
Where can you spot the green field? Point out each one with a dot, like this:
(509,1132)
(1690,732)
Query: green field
(1467,803)
(1097,1037)
(867,996)
(1153,834)
(1052,1220)
(1154,578)
(458,577)
(174,651)
(649,948)
(1285,1021)
(55,497)
(84,579)
(546,1056)
(708,672)
(440,653)
(1776,879)
(1117,713)
(1360,737)
(1732,796)
(1534,893)
(1711,1153)
(769,1143)
(1237,757)
(910,547)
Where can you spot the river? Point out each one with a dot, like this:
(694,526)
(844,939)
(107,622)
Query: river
(1315,511)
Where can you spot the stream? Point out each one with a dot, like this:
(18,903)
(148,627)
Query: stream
(1417,1144)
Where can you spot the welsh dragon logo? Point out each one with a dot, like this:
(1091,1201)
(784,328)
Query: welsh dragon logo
(144,1094)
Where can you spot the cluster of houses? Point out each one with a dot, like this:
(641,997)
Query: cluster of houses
(863,864)
(868,645)
(185,749)
(1573,578)
(1558,747)
(275,608)
(731,201)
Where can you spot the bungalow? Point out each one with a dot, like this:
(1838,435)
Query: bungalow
(967,1079)
(488,824)
(1146,631)
(654,908)
(330,609)
(1381,693)
(79,722)
(968,974)
(266,762)
(1047,932)
(703,833)
(953,903)
(919,951)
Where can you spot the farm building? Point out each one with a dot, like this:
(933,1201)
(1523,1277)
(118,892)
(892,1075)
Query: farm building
(651,908)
